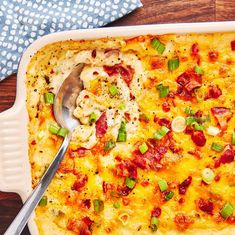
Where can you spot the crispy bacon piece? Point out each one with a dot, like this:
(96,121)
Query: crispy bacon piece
(80,152)
(184,185)
(183,221)
(195,53)
(79,227)
(213,56)
(93,54)
(166,107)
(107,186)
(206,206)
(198,138)
(222,115)
(226,157)
(164,122)
(80,183)
(126,72)
(126,169)
(213,92)
(124,190)
(232,45)
(86,203)
(156,211)
(188,81)
(157,62)
(101,125)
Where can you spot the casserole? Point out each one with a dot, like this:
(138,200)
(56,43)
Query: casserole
(15,171)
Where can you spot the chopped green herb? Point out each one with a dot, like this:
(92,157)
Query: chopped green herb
(92,118)
(157,45)
(49,98)
(98,205)
(143,148)
(110,144)
(217,147)
(173,64)
(162,185)
(227,210)
(163,90)
(154,223)
(113,90)
(161,133)
(43,201)
(116,205)
(130,182)
(199,70)
(169,195)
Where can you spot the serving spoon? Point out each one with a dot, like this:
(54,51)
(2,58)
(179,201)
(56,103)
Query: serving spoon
(64,105)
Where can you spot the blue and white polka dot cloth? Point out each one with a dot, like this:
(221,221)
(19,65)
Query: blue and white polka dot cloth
(23,21)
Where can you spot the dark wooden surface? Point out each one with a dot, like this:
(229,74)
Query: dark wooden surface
(153,11)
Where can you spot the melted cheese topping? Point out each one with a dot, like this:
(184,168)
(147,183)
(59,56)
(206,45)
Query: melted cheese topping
(90,172)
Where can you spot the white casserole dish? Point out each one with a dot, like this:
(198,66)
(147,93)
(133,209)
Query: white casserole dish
(15,175)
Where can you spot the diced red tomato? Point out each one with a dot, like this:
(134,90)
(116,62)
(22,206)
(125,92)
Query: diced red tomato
(198,138)
(213,92)
(166,106)
(194,49)
(164,122)
(87,221)
(80,183)
(101,125)
(226,157)
(206,206)
(156,211)
(222,115)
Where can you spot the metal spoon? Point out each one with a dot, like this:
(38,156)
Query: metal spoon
(64,105)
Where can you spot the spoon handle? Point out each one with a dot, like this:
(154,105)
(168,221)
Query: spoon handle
(22,217)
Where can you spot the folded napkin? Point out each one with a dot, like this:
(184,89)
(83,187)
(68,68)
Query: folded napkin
(23,21)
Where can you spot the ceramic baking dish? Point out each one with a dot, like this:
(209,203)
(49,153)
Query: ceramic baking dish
(15,173)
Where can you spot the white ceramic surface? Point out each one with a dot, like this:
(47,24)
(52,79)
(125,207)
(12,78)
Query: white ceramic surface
(15,173)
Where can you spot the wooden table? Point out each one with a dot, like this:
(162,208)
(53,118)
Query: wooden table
(153,11)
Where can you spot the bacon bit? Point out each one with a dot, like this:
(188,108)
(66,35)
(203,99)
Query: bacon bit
(196,153)
(33,142)
(217,178)
(206,206)
(143,118)
(101,125)
(156,212)
(223,71)
(183,221)
(155,118)
(229,61)
(144,183)
(66,166)
(184,185)
(118,158)
(213,56)
(79,227)
(181,200)
(80,152)
(127,116)
(132,97)
(140,162)
(183,59)
(232,45)
(126,72)
(124,190)
(95,73)
(52,71)
(87,221)
(222,115)
(166,106)
(231,219)
(80,183)
(157,62)
(107,186)
(164,122)
(86,203)
(93,54)
(188,81)
(227,156)
(214,92)
(198,138)
(126,169)
(125,201)
(194,49)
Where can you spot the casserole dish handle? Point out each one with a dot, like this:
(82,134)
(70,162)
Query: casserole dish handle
(14,163)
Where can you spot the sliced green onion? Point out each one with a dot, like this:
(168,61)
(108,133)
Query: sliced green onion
(98,205)
(169,196)
(197,126)
(116,205)
(53,128)
(122,106)
(154,223)
(173,64)
(130,182)
(43,201)
(227,210)
(49,98)
(217,147)
(110,144)
(190,120)
(163,90)
(92,118)
(122,135)
(41,134)
(189,111)
(199,70)
(208,175)
(62,132)
(113,90)
(233,138)
(161,133)
(162,185)
(157,45)
(143,148)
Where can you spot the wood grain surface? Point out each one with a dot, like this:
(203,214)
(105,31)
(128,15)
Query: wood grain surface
(153,11)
